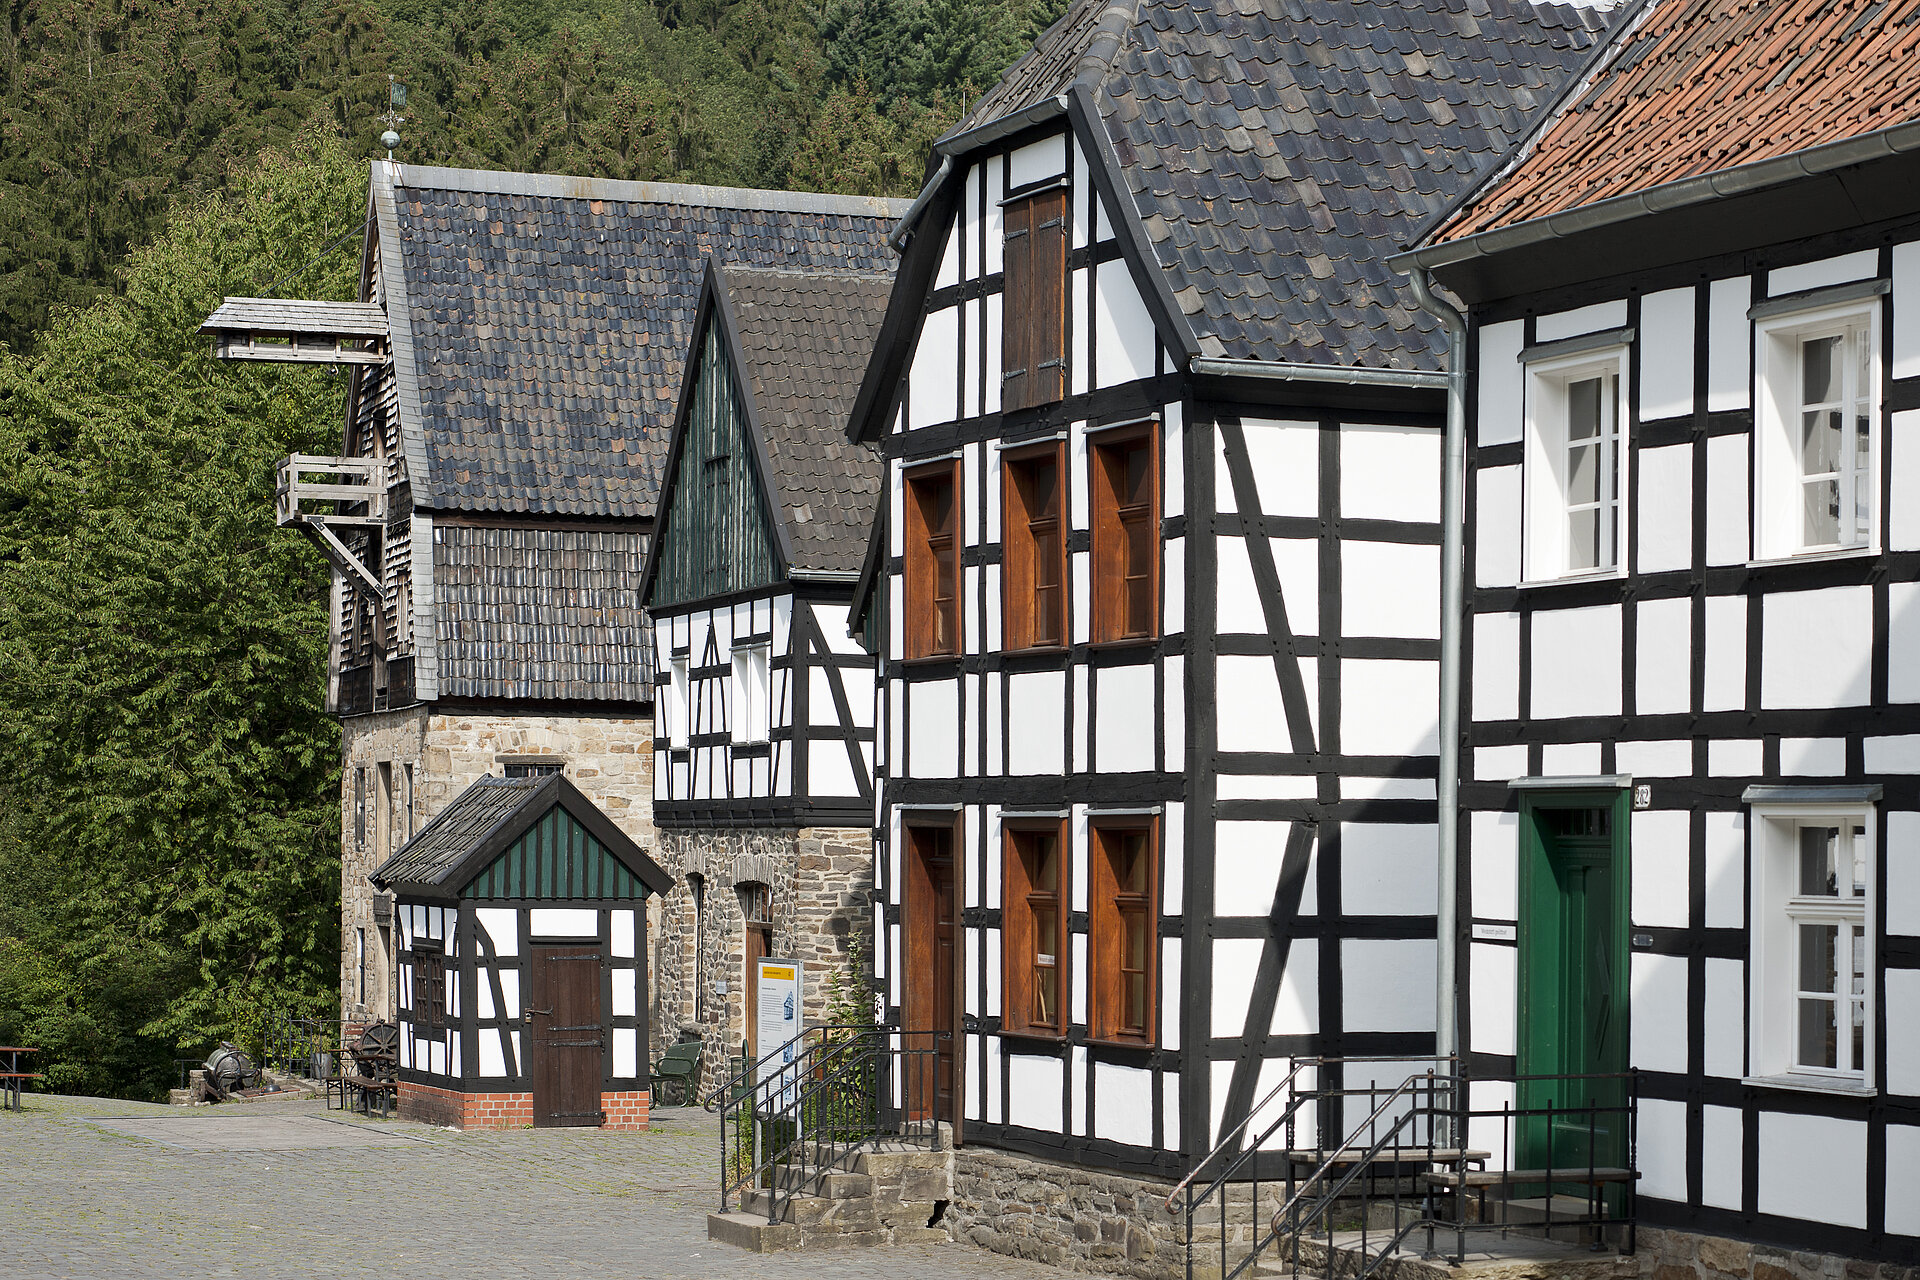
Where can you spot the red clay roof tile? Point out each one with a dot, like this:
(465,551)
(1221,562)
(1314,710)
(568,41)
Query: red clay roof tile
(1697,86)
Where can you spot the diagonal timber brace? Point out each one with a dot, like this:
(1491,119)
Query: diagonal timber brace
(336,551)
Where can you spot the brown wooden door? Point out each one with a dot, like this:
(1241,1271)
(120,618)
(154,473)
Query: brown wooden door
(567,1047)
(759,947)
(931,942)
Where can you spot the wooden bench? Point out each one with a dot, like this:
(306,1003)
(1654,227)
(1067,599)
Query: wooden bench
(385,1091)
(682,1063)
(11,1083)
(1475,1179)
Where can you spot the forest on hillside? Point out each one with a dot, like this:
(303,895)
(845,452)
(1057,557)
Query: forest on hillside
(169,821)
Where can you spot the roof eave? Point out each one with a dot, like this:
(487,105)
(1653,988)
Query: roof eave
(1746,179)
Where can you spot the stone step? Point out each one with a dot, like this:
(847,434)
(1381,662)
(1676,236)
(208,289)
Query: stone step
(834,1184)
(754,1234)
(813,1213)
(1490,1255)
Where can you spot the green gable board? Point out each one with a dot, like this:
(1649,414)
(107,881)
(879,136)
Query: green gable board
(716,536)
(556,860)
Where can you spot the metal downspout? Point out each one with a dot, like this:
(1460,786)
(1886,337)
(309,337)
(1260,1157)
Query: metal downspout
(1452,618)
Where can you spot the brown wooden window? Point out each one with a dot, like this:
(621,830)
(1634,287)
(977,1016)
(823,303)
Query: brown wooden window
(1034,928)
(429,988)
(1125,481)
(1033,328)
(1034,565)
(1122,944)
(933,562)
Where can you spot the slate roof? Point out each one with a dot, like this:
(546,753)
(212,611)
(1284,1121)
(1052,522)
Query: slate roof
(1698,86)
(547,320)
(481,822)
(298,315)
(469,818)
(804,339)
(1279,151)
(541,613)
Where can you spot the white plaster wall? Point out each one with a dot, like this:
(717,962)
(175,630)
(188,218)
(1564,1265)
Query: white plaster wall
(1816,647)
(1576,662)
(1666,354)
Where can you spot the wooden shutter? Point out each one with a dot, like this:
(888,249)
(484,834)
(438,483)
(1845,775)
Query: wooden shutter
(1033,319)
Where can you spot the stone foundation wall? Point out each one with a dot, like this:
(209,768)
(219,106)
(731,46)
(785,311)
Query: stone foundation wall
(1686,1255)
(820,879)
(1065,1216)
(448,1108)
(432,758)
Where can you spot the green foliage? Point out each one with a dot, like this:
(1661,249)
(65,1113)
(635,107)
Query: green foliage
(170,769)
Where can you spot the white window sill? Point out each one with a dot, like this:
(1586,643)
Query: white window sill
(1812,557)
(1596,575)
(1801,1083)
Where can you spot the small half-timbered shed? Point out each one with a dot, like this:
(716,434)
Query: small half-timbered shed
(1691,841)
(1156,585)
(522,920)
(513,362)
(763,790)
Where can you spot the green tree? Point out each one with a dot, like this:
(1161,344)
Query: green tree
(163,645)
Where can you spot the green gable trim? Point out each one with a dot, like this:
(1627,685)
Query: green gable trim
(556,860)
(717,535)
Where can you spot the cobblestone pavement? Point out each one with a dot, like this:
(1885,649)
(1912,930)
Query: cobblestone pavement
(98,1188)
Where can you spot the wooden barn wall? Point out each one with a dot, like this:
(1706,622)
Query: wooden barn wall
(1698,671)
(716,536)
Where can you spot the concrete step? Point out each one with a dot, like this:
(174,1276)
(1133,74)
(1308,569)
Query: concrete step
(835,1184)
(752,1233)
(1489,1256)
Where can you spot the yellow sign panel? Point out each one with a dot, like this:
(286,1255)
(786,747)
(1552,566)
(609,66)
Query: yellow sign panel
(777,974)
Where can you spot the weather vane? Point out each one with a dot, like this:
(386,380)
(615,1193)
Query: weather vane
(396,102)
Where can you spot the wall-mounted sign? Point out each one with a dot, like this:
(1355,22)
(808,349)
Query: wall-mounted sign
(1495,932)
(781,994)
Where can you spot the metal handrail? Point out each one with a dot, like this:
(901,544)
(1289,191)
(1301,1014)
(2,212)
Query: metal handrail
(1342,1149)
(1298,1065)
(749,1071)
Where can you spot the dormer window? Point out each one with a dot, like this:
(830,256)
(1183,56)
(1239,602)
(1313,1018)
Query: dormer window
(1033,352)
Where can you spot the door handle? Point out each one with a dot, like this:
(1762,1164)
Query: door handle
(543,1012)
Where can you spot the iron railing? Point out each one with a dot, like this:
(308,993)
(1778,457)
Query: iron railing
(1558,1162)
(299,1046)
(806,1109)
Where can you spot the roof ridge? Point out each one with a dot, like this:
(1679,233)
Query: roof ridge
(1108,38)
(574,187)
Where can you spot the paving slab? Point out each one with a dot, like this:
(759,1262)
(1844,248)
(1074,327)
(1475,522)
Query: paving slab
(104,1188)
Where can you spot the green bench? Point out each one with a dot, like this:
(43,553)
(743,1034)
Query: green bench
(681,1064)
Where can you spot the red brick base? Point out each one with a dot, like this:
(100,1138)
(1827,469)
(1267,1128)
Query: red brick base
(448,1108)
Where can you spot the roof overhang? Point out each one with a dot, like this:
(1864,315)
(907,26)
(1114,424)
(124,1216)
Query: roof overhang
(297,331)
(1848,183)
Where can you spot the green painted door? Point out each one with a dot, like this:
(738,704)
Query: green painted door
(1573,981)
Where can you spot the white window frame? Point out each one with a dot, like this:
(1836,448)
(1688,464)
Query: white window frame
(679,702)
(753,693)
(1544,463)
(1778,909)
(1777,500)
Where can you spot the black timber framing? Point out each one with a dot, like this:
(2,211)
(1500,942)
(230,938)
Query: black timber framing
(1710,250)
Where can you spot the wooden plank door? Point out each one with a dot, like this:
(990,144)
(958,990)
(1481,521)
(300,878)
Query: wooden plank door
(1573,982)
(759,947)
(568,1039)
(932,937)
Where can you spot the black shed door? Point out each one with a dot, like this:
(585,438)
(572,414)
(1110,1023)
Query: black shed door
(568,1039)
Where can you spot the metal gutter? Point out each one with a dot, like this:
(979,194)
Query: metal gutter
(1740,180)
(824,575)
(1284,372)
(1453,487)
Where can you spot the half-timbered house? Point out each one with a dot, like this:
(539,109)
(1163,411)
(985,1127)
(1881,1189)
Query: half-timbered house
(763,790)
(514,358)
(1154,587)
(521,928)
(1692,830)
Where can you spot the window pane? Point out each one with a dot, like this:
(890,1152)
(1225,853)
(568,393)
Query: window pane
(1583,539)
(1820,441)
(1043,861)
(1583,473)
(1583,408)
(1819,869)
(1046,965)
(1857,1006)
(1817,369)
(1130,861)
(1818,963)
(1818,1045)
(936,503)
(1136,1010)
(1139,472)
(1820,525)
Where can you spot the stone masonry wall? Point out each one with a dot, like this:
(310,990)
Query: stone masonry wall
(1685,1255)
(1065,1216)
(820,880)
(610,760)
